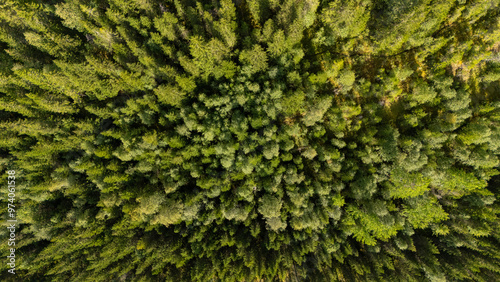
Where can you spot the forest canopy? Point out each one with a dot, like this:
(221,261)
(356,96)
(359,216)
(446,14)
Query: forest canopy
(251,140)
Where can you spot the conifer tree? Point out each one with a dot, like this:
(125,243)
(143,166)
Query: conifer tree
(267,140)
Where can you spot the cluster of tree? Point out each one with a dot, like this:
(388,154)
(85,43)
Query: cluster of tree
(344,140)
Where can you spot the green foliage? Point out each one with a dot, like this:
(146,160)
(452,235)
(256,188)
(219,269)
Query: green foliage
(345,18)
(256,59)
(270,206)
(406,185)
(422,211)
(256,140)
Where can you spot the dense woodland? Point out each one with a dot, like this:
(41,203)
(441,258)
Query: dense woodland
(251,140)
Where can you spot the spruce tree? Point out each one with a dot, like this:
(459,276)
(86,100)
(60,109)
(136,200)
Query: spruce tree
(266,140)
